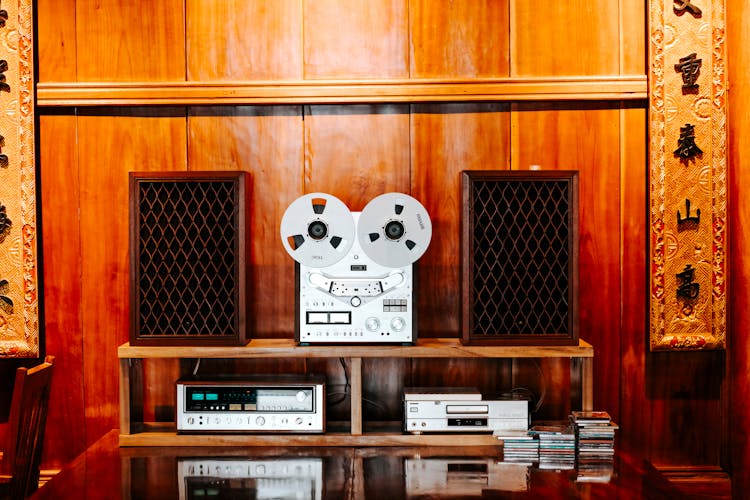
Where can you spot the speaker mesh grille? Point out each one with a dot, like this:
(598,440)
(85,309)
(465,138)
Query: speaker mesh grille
(187,256)
(520,258)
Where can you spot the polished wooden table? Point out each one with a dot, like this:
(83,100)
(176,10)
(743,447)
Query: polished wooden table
(109,471)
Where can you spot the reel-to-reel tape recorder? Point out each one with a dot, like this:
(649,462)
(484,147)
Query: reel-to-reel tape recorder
(354,273)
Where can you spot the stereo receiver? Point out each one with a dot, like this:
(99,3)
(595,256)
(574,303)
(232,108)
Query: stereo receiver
(269,404)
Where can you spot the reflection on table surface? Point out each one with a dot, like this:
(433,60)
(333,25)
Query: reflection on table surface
(107,471)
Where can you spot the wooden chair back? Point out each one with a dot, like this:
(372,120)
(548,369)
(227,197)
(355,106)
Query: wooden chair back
(19,468)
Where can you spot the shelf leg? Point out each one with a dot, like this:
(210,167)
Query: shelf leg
(587,382)
(131,395)
(356,396)
(124,396)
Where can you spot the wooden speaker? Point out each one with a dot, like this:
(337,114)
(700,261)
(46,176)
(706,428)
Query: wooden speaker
(519,253)
(187,258)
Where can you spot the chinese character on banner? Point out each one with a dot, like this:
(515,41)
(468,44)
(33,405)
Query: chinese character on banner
(688,288)
(687,148)
(690,67)
(685,5)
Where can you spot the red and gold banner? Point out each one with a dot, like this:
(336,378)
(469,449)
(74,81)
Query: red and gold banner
(19,309)
(688,184)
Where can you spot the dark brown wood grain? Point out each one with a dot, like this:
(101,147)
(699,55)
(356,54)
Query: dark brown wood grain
(634,406)
(61,240)
(738,387)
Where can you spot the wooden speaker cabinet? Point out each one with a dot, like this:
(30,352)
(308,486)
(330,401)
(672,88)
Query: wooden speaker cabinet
(519,254)
(187,258)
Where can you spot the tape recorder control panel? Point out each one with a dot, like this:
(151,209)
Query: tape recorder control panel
(355,278)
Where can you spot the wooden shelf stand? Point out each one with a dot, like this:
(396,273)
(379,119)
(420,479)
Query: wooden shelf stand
(135,432)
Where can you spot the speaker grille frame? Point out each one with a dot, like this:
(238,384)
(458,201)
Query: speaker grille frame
(537,255)
(188,283)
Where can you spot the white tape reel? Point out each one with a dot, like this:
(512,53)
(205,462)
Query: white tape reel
(394,229)
(317,230)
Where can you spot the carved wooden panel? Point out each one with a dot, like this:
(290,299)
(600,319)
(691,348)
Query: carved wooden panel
(19,308)
(687,175)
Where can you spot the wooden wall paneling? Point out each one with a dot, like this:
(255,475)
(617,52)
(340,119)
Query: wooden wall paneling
(118,40)
(635,414)
(459,39)
(446,139)
(684,392)
(633,34)
(357,153)
(738,40)
(584,136)
(383,382)
(111,143)
(267,142)
(55,40)
(61,239)
(356,39)
(241,40)
(577,37)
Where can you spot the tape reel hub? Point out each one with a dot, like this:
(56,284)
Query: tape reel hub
(317,230)
(394,230)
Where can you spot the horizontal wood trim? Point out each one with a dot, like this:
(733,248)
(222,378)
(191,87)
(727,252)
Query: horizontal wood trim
(328,439)
(54,94)
(425,348)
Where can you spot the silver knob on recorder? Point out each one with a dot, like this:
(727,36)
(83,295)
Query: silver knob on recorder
(372,323)
(398,323)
